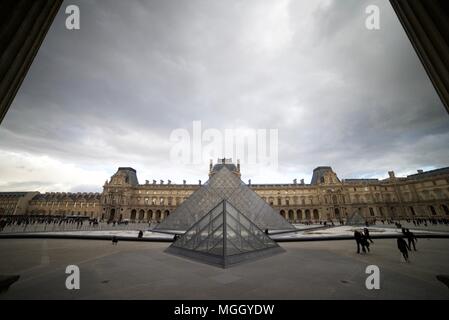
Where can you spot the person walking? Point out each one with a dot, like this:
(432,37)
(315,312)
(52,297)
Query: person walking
(403,247)
(365,244)
(358,240)
(411,239)
(367,236)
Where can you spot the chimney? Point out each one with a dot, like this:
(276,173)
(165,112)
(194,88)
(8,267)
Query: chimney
(184,182)
(391,174)
(420,171)
(238,165)
(302,181)
(210,165)
(199,182)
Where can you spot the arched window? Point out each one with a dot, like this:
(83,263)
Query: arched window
(141,215)
(307,212)
(316,215)
(133,215)
(282,213)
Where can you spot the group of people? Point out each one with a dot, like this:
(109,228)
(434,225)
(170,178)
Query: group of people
(55,222)
(418,222)
(363,241)
(25,221)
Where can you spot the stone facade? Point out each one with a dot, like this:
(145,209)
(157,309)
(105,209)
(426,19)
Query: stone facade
(424,194)
(65,204)
(15,203)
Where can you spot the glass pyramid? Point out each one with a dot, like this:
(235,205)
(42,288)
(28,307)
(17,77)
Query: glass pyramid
(224,185)
(224,237)
(355,219)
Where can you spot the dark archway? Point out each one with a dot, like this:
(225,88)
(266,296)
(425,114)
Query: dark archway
(282,213)
(307,212)
(141,215)
(299,214)
(337,213)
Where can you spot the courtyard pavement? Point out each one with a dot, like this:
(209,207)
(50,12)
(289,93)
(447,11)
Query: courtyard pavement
(141,270)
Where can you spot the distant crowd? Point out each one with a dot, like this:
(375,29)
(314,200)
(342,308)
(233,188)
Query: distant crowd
(33,220)
(63,222)
(416,222)
(419,221)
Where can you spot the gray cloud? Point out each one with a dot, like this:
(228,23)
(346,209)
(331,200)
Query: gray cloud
(111,93)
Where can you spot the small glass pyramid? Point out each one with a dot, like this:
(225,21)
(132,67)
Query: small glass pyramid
(355,219)
(224,237)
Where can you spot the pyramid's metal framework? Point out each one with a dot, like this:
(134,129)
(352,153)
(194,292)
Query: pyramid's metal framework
(355,219)
(224,237)
(224,185)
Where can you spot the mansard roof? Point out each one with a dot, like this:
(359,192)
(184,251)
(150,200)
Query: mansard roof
(428,174)
(67,195)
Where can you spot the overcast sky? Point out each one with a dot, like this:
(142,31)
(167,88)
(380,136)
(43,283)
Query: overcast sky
(111,93)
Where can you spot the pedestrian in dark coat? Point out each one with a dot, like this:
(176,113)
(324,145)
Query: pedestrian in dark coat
(365,244)
(367,236)
(411,239)
(403,247)
(358,240)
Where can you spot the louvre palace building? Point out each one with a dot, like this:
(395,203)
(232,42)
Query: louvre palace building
(326,197)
